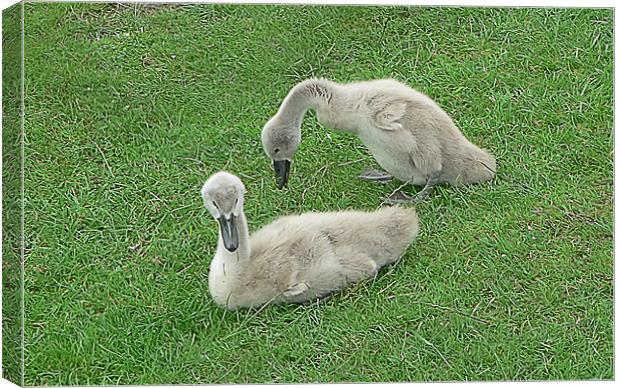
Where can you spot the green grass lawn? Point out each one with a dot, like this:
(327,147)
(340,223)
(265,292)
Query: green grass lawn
(130,108)
(11,190)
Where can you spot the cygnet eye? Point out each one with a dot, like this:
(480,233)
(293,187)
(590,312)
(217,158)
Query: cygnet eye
(276,150)
(215,204)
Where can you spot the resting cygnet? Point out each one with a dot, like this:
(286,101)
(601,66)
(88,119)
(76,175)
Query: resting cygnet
(409,135)
(297,258)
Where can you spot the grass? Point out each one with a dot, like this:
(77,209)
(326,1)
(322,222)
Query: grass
(130,108)
(11,195)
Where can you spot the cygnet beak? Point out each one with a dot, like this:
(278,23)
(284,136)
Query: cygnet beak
(230,235)
(282,168)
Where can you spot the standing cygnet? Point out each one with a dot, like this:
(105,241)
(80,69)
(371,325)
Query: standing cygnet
(409,135)
(297,258)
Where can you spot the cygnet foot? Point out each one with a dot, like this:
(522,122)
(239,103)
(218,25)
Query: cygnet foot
(321,299)
(377,176)
(401,198)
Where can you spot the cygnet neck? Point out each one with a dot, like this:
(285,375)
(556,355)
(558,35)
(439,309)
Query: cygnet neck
(242,253)
(310,94)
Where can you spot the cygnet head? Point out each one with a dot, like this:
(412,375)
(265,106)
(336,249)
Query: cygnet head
(280,142)
(223,194)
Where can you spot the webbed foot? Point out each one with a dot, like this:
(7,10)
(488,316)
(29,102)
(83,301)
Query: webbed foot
(375,176)
(401,198)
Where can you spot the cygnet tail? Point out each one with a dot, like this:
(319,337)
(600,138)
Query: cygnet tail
(473,166)
(403,229)
(407,217)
